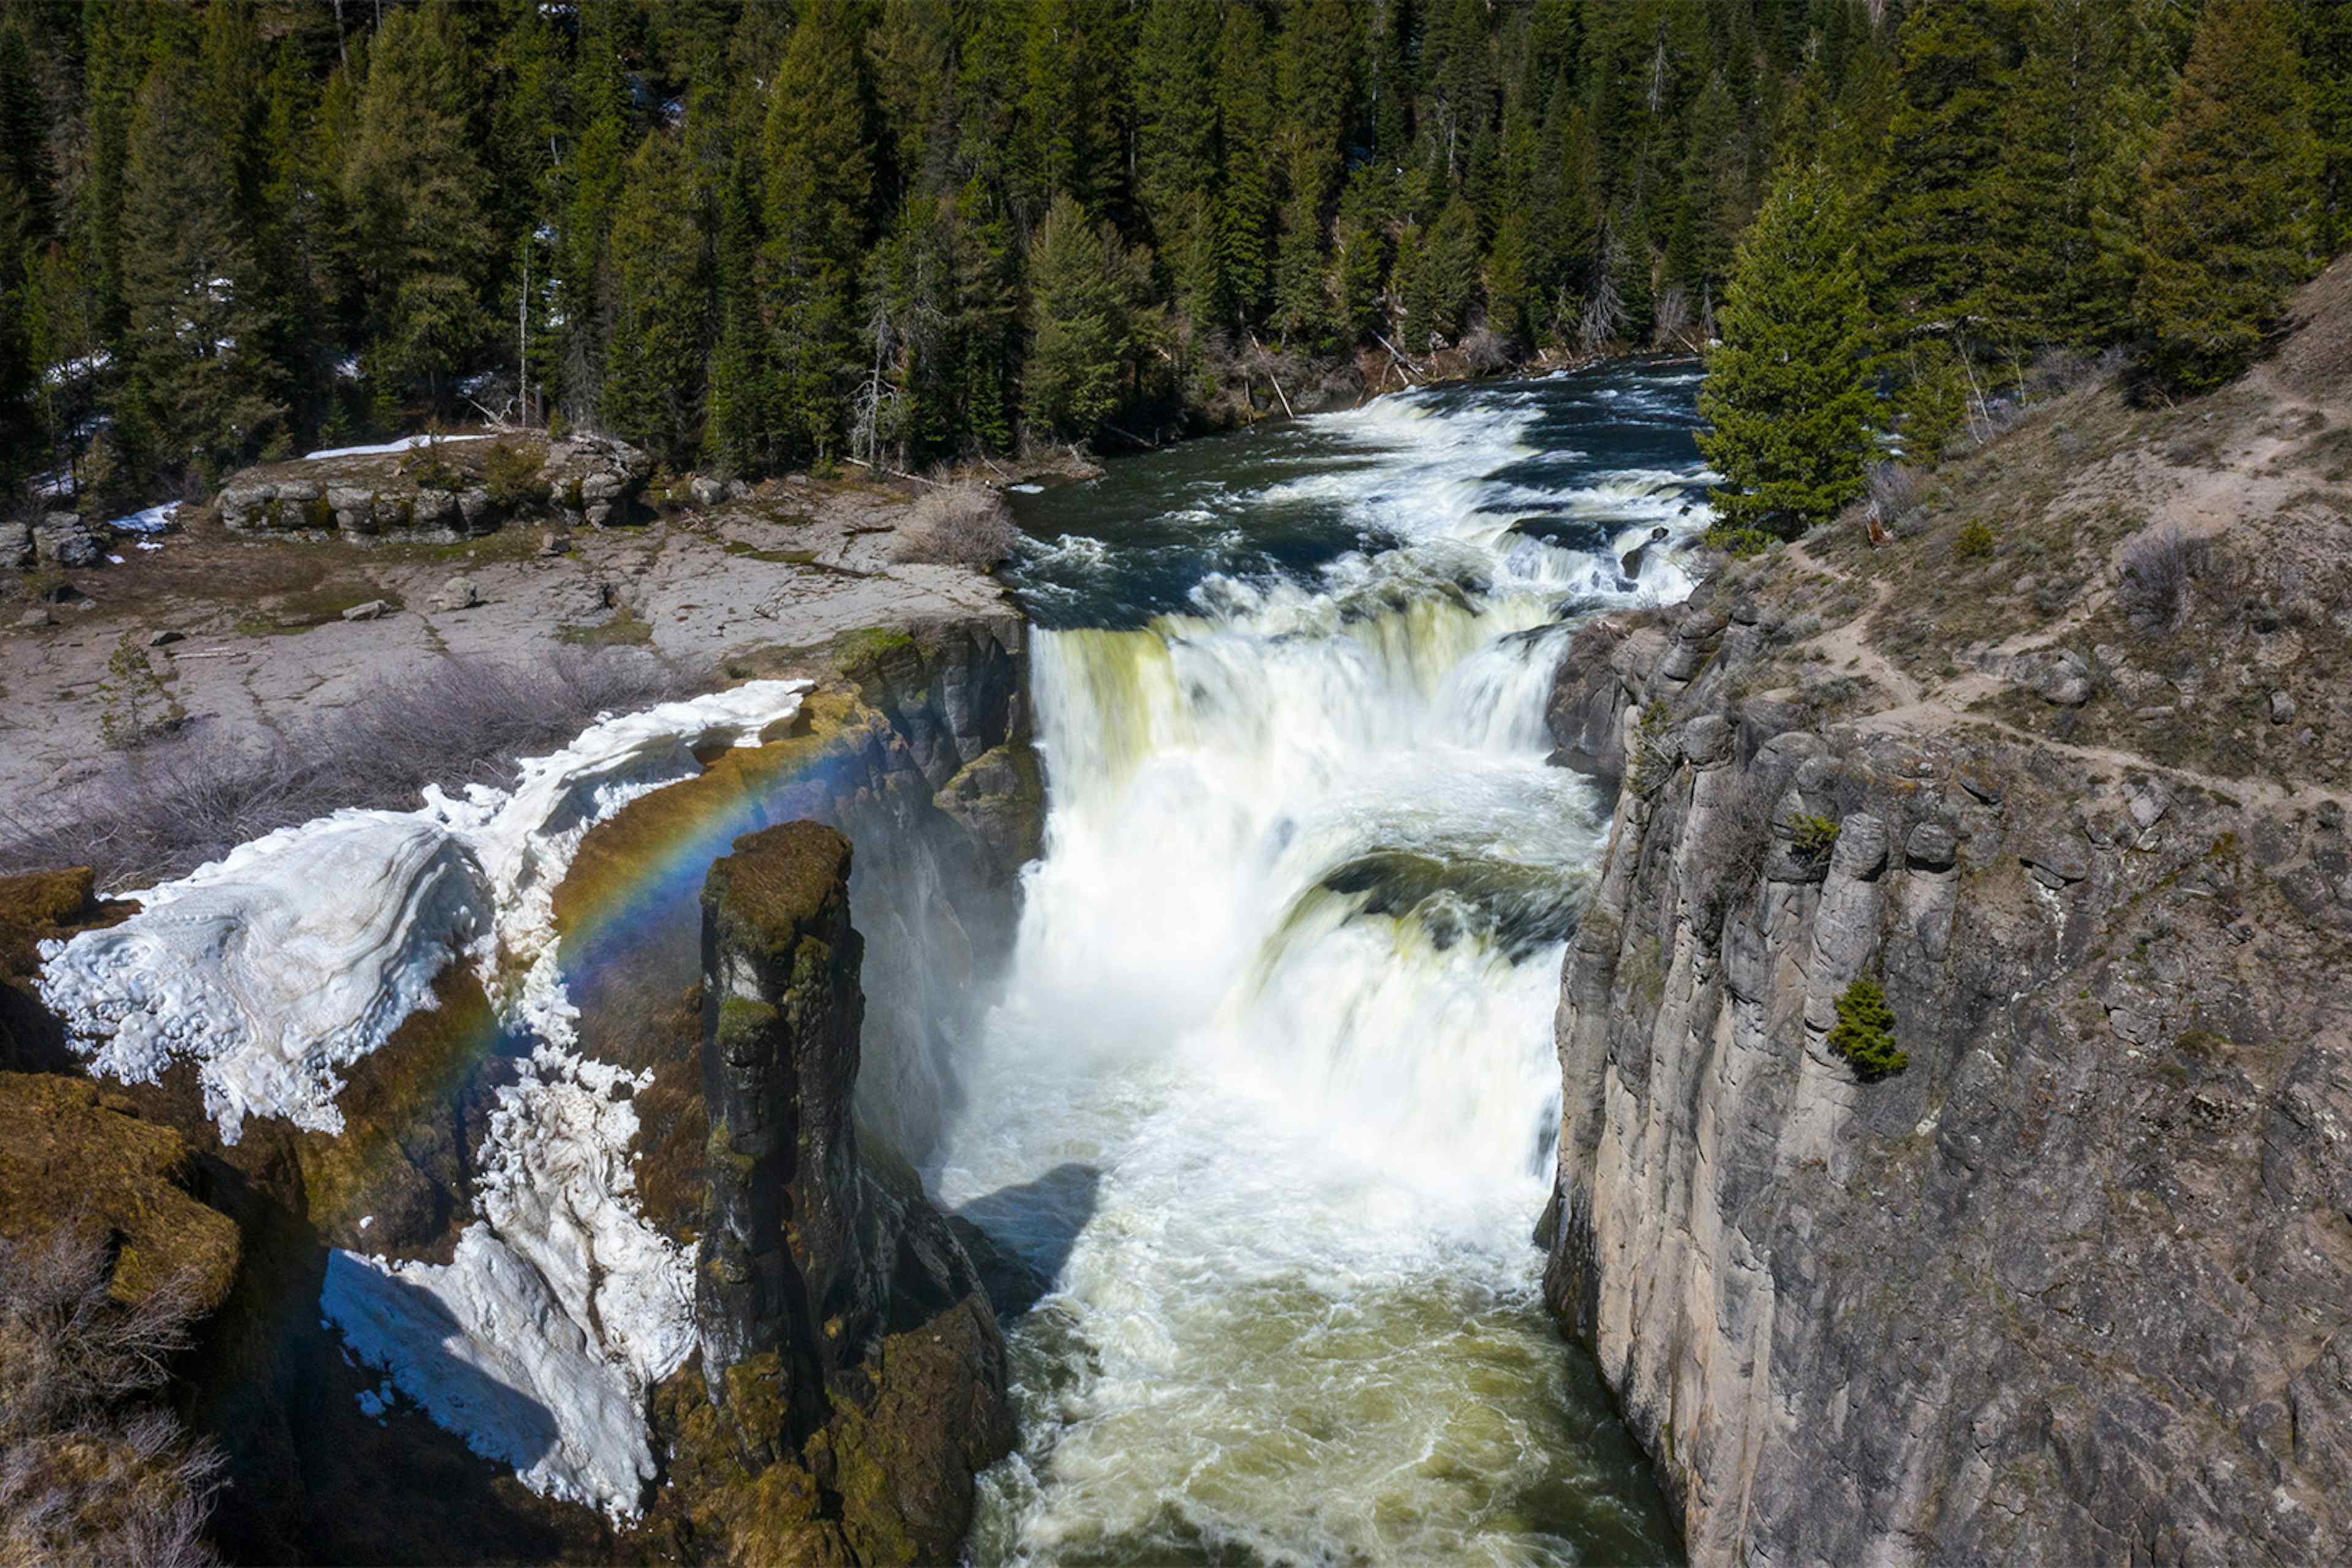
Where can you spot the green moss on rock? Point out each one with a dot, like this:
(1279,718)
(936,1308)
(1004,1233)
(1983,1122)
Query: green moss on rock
(73,1157)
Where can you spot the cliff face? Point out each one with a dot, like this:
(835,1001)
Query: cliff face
(852,1376)
(2069,1286)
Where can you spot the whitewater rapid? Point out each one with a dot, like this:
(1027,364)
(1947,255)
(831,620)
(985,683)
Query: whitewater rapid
(1272,1094)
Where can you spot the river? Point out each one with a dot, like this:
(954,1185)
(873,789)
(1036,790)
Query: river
(1272,1094)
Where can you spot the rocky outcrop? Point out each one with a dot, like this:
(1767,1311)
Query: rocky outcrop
(2068,1287)
(62,539)
(443,490)
(914,744)
(852,1378)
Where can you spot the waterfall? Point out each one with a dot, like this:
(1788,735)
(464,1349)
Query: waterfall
(1280,1009)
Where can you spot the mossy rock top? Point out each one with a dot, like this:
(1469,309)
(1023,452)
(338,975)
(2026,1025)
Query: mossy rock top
(72,1158)
(778,882)
(39,904)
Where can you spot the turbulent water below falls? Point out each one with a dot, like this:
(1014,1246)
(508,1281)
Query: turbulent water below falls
(1272,1094)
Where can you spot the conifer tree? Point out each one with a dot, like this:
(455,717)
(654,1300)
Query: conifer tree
(2227,224)
(1787,410)
(1935,239)
(198,385)
(1082,285)
(820,180)
(2326,48)
(414,183)
(1245,208)
(653,382)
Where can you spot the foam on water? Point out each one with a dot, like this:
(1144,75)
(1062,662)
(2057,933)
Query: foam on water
(1272,1096)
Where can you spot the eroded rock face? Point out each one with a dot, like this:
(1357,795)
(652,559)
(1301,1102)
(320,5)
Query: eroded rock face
(2064,1288)
(852,1377)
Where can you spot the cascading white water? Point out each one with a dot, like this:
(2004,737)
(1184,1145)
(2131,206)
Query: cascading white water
(1271,1093)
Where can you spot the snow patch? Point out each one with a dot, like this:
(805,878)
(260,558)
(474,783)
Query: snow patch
(275,967)
(295,954)
(384,448)
(152,519)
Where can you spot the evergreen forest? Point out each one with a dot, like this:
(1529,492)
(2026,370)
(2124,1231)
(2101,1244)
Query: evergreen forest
(757,237)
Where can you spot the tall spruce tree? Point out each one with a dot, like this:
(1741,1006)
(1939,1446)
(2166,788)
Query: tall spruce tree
(1937,239)
(1787,412)
(1081,288)
(820,181)
(422,248)
(199,384)
(653,382)
(2227,222)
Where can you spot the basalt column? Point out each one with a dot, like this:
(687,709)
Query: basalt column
(853,1377)
(781,1270)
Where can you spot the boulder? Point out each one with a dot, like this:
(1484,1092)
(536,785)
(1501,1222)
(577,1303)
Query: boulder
(62,539)
(461,593)
(16,551)
(706,491)
(1932,847)
(2059,677)
(374,609)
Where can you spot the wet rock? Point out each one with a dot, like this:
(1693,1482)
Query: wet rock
(845,1332)
(1634,557)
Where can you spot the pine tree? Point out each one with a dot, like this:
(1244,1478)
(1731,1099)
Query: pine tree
(199,388)
(1936,240)
(2326,48)
(1082,286)
(820,181)
(1787,409)
(653,383)
(2227,224)
(1245,206)
(422,248)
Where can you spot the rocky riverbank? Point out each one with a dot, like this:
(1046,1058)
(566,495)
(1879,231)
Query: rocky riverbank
(2069,1285)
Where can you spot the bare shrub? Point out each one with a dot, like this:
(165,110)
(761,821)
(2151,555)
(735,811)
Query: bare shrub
(2156,570)
(92,1470)
(1484,350)
(959,525)
(1671,319)
(1734,849)
(2056,372)
(1892,489)
(169,807)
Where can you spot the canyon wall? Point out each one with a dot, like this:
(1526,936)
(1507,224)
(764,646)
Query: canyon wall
(2067,1287)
